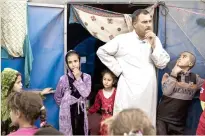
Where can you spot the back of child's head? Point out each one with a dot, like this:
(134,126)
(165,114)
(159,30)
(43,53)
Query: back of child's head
(48,131)
(29,104)
(107,71)
(130,122)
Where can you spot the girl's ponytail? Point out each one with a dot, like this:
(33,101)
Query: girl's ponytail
(43,123)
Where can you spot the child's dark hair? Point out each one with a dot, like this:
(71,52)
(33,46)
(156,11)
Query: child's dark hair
(48,131)
(107,71)
(69,53)
(30,104)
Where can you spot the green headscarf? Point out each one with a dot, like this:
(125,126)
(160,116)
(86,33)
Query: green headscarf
(8,78)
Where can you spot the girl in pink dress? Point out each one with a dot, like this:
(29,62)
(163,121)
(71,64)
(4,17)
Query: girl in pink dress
(104,99)
(25,108)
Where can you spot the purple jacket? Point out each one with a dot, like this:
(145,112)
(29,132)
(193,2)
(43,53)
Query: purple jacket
(64,100)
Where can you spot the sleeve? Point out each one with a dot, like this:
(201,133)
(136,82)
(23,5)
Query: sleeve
(58,95)
(96,105)
(199,82)
(202,93)
(159,56)
(107,54)
(83,85)
(169,85)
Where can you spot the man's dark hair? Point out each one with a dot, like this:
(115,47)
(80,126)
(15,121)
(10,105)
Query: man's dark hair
(137,13)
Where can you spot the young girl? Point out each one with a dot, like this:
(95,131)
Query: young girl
(71,93)
(11,82)
(130,122)
(25,108)
(105,98)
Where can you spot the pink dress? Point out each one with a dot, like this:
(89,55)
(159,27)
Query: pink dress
(24,131)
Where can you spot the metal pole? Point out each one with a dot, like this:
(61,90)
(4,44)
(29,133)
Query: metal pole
(65,34)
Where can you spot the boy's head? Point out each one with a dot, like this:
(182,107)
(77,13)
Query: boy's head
(186,59)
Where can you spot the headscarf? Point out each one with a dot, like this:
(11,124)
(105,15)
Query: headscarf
(8,78)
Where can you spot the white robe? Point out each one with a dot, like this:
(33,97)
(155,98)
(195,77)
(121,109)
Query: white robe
(133,60)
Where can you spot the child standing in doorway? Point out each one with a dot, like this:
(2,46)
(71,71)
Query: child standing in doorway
(105,98)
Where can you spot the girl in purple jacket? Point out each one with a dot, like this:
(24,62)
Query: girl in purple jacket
(72,90)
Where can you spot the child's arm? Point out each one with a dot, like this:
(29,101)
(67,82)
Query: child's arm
(169,82)
(83,85)
(44,91)
(59,91)
(199,82)
(96,105)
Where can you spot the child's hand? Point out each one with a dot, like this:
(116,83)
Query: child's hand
(47,91)
(164,78)
(76,73)
(176,70)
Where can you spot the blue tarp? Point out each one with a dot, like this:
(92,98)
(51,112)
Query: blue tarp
(46,31)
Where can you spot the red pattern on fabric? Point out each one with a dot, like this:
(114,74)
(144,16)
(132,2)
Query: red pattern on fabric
(202,93)
(107,105)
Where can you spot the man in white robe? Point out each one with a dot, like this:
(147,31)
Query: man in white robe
(133,57)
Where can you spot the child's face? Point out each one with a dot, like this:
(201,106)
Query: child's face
(14,115)
(18,84)
(184,60)
(107,80)
(73,62)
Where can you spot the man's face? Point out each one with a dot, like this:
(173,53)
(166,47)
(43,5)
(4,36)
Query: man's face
(142,24)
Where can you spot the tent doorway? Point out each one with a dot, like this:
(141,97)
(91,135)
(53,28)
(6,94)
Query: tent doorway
(77,35)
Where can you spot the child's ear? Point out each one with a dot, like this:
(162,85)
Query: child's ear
(18,114)
(190,64)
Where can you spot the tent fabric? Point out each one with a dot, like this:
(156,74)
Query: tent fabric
(15,39)
(86,50)
(102,24)
(180,32)
(14,26)
(46,31)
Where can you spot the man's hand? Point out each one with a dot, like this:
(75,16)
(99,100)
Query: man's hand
(77,73)
(151,38)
